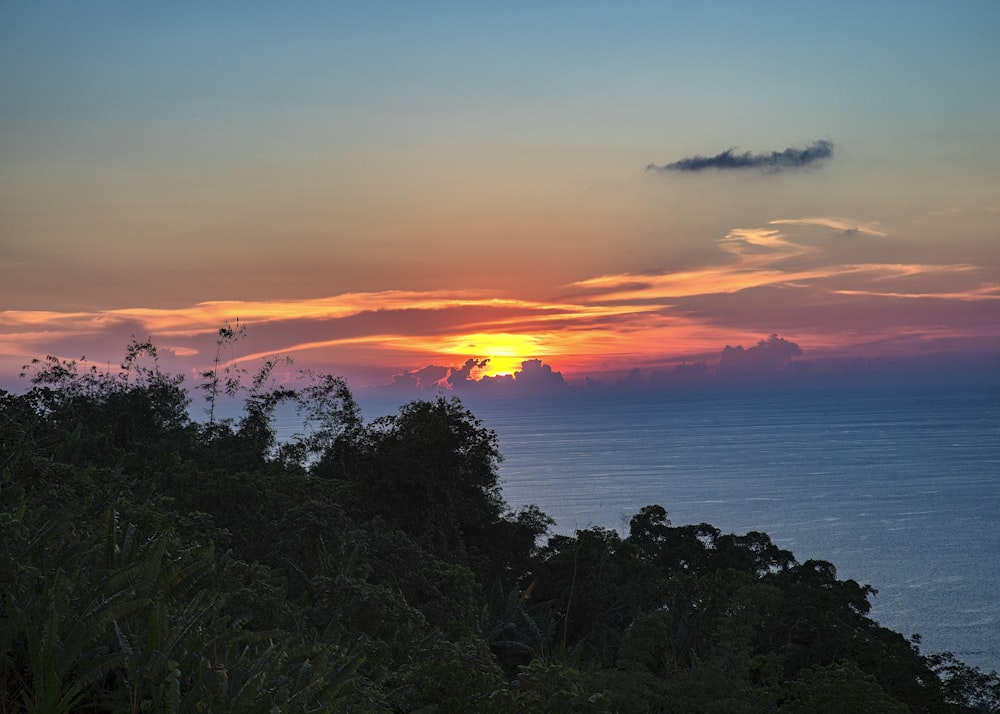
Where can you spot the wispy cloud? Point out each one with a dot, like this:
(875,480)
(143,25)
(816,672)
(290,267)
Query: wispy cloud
(450,322)
(768,257)
(206,317)
(985,292)
(755,272)
(774,161)
(840,224)
(768,244)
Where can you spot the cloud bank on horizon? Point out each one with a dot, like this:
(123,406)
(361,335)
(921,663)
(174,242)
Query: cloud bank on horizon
(766,360)
(772,162)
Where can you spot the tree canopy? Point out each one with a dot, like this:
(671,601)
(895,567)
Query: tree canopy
(157,563)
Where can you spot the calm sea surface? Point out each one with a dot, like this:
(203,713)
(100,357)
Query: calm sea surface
(901,492)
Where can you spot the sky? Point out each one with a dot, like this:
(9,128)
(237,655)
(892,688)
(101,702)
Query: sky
(427,195)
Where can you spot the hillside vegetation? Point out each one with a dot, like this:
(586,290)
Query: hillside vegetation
(153,563)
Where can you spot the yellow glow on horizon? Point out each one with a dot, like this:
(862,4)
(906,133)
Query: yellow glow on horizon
(499,367)
(504,350)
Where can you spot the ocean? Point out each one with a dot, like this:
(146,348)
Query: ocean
(900,491)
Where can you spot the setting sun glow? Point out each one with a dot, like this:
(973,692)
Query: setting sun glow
(505,351)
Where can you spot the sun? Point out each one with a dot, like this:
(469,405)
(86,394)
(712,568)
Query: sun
(504,351)
(498,366)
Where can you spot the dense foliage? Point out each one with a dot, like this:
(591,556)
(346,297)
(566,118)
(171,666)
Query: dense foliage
(153,563)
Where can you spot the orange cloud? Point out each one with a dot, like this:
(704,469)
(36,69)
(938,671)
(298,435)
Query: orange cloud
(761,257)
(986,292)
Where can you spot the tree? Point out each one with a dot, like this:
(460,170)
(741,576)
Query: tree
(431,470)
(256,427)
(333,425)
(226,381)
(840,688)
(131,417)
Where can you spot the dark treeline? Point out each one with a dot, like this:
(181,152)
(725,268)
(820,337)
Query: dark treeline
(154,563)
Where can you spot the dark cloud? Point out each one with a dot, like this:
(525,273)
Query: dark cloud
(790,158)
(429,377)
(771,354)
(463,374)
(534,378)
(539,377)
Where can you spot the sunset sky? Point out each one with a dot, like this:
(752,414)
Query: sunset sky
(378,188)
